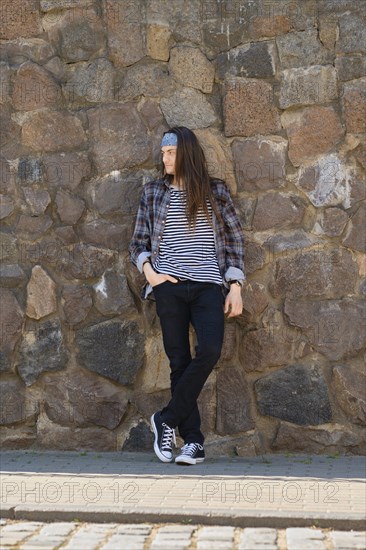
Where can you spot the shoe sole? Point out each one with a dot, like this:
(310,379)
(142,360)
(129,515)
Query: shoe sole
(189,461)
(156,446)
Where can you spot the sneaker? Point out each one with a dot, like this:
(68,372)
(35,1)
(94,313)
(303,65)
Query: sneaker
(191,453)
(164,435)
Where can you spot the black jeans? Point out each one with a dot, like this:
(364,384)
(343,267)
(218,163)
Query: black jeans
(178,304)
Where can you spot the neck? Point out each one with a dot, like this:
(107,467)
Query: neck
(178,184)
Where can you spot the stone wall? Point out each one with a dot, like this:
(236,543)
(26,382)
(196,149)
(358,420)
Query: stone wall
(276,93)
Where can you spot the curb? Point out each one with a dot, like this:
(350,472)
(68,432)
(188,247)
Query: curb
(270,520)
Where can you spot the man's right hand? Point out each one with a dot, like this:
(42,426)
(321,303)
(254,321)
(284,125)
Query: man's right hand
(156,278)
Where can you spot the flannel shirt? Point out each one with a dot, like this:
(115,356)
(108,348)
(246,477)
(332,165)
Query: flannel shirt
(149,228)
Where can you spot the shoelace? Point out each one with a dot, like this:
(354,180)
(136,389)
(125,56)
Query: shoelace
(190,448)
(168,435)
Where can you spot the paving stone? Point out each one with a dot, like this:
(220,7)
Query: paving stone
(222,537)
(139,528)
(14,533)
(219,545)
(89,536)
(303,538)
(252,538)
(51,535)
(176,528)
(348,540)
(132,542)
(22,526)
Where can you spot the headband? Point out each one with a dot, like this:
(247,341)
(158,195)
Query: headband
(169,139)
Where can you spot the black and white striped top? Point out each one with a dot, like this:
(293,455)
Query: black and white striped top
(187,253)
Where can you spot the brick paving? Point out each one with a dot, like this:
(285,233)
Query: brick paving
(34,535)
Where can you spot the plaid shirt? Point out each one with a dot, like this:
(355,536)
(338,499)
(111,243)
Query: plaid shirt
(149,228)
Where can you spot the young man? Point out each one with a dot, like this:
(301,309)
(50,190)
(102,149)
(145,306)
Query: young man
(189,243)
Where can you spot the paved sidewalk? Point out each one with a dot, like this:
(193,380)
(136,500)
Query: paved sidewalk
(275,491)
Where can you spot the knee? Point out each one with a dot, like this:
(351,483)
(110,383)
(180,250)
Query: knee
(211,354)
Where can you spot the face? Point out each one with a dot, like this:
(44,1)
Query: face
(168,153)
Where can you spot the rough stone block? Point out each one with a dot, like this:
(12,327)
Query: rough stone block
(41,349)
(190,67)
(331,222)
(302,49)
(259,163)
(77,34)
(349,385)
(126,42)
(350,67)
(65,169)
(249,107)
(41,294)
(118,137)
(331,181)
(112,349)
(82,261)
(352,33)
(35,88)
(355,237)
(66,438)
(306,86)
(19,19)
(354,105)
(83,399)
(278,210)
(158,39)
(140,438)
(271,346)
(37,199)
(254,60)
(315,273)
(53,131)
(328,438)
(296,393)
(311,131)
(15,406)
(11,320)
(148,79)
(76,302)
(188,107)
(69,207)
(335,328)
(89,82)
(6,206)
(233,415)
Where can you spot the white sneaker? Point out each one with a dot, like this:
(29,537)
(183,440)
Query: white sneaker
(191,453)
(164,436)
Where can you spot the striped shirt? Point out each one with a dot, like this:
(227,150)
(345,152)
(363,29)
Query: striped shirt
(149,229)
(187,253)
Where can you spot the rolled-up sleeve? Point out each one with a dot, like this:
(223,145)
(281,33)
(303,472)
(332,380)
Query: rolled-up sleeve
(140,244)
(234,241)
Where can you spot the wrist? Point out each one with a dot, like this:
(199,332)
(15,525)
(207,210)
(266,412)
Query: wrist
(146,267)
(235,288)
(235,284)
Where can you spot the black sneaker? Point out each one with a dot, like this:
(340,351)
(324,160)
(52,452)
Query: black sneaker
(191,453)
(164,435)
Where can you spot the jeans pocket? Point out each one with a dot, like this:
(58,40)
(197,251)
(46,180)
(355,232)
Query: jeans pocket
(160,284)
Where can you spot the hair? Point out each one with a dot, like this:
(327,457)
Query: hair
(191,168)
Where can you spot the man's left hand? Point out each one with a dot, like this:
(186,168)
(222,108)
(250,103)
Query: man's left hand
(234,301)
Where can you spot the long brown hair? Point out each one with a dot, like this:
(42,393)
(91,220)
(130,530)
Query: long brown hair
(191,168)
